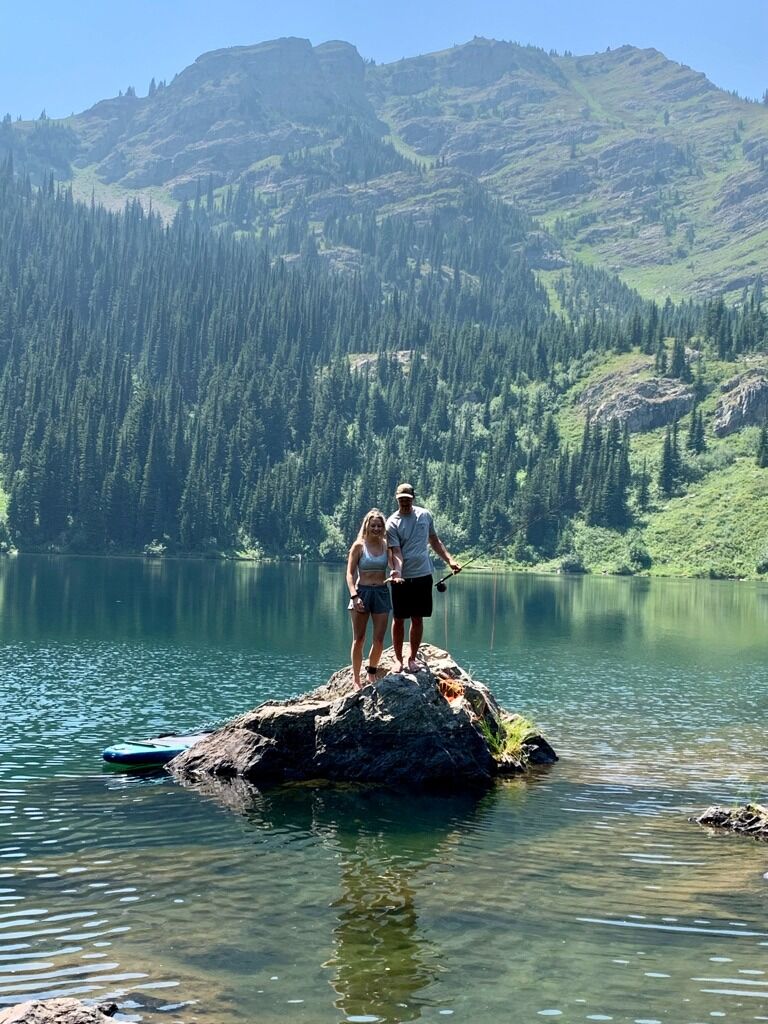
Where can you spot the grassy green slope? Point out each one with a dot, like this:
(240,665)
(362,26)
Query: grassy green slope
(86,185)
(693,242)
(717,527)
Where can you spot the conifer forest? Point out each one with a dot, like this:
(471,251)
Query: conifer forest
(185,385)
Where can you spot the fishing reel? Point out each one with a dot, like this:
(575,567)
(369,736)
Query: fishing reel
(441,586)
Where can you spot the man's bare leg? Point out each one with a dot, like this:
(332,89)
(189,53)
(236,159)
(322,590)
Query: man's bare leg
(398,637)
(414,639)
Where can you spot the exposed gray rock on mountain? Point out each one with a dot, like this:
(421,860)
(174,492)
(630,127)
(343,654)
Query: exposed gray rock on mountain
(435,727)
(744,402)
(641,404)
(235,107)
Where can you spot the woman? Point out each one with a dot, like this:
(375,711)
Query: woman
(367,566)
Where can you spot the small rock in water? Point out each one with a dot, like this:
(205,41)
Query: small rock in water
(58,1011)
(751,819)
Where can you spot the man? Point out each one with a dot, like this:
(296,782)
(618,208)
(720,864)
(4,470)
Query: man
(410,533)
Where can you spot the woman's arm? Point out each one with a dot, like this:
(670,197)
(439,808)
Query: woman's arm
(353,558)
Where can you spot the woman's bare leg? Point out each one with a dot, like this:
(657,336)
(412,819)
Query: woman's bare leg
(359,623)
(379,632)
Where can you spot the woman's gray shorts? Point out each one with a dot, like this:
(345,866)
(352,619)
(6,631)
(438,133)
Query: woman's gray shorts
(376,600)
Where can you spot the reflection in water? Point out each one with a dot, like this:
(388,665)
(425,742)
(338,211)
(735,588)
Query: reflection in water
(385,843)
(381,964)
(248,603)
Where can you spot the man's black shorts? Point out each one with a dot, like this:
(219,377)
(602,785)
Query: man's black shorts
(412,598)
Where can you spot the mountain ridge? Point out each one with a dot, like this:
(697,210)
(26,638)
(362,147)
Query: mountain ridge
(629,160)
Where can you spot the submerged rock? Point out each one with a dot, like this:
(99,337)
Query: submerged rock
(57,1011)
(752,819)
(433,727)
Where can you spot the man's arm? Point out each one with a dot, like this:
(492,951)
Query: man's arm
(396,564)
(442,551)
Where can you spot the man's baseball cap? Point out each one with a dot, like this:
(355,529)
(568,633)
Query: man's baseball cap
(405,491)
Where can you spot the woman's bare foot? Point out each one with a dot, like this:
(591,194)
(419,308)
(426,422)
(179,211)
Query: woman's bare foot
(414,665)
(358,684)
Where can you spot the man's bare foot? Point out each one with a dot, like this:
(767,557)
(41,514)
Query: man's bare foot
(414,665)
(398,669)
(358,684)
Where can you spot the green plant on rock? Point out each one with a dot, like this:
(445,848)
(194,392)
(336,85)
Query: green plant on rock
(509,742)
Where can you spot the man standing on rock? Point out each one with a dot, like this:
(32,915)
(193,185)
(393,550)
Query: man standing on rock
(410,533)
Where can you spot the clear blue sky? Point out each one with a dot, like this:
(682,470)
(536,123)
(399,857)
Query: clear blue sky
(64,56)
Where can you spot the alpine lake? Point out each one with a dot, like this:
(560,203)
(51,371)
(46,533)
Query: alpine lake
(580,893)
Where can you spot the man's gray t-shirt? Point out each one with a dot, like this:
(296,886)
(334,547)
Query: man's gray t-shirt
(411,534)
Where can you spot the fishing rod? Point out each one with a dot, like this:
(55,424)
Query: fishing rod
(441,585)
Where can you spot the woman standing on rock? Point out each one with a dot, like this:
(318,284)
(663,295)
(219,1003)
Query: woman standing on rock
(367,564)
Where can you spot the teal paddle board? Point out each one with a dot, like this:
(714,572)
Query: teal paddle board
(151,753)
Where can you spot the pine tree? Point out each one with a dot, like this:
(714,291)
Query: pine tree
(670,468)
(762,448)
(678,366)
(660,359)
(643,487)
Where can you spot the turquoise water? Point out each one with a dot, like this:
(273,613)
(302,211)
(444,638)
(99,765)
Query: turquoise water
(581,894)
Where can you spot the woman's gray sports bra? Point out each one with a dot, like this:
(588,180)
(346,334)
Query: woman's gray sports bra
(372,563)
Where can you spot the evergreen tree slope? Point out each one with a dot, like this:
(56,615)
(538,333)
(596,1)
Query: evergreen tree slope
(170,386)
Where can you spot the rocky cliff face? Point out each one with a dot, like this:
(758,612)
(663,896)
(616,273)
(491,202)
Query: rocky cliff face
(637,400)
(230,110)
(744,402)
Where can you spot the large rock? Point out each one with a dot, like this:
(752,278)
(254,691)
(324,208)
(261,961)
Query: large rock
(744,402)
(434,727)
(58,1011)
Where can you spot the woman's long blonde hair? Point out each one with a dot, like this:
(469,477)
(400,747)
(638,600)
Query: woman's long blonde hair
(375,513)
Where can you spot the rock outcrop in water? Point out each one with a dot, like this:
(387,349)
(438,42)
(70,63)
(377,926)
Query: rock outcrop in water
(435,727)
(751,820)
(57,1011)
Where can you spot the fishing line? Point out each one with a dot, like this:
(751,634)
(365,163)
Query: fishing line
(493,613)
